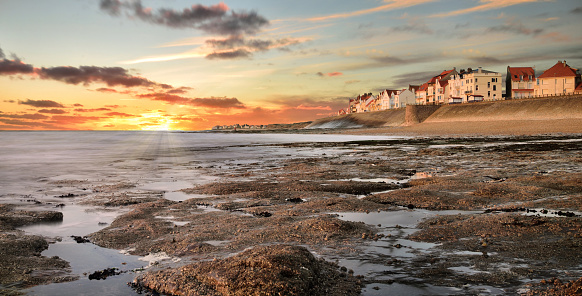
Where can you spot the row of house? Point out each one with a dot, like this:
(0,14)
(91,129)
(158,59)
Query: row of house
(473,85)
(560,79)
(239,126)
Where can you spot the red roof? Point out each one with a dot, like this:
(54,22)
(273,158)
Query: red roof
(561,69)
(579,87)
(423,87)
(444,83)
(521,73)
(445,72)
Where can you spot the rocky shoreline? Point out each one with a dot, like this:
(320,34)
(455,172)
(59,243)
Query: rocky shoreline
(271,227)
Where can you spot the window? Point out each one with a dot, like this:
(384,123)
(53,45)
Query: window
(493,79)
(488,84)
(488,93)
(476,87)
(475,80)
(494,87)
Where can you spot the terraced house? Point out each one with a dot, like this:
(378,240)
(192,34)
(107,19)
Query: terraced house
(520,82)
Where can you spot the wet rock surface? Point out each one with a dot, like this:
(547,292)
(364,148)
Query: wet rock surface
(276,213)
(262,270)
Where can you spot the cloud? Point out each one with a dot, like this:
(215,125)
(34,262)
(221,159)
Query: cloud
(413,78)
(41,103)
(212,102)
(331,74)
(92,110)
(233,47)
(214,19)
(228,55)
(12,67)
(120,114)
(112,76)
(2,54)
(414,25)
(106,90)
(486,5)
(52,111)
(35,116)
(179,90)
(393,5)
(516,27)
(555,37)
(577,10)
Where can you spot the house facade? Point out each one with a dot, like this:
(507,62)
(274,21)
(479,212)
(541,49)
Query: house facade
(403,98)
(520,82)
(476,85)
(557,80)
(421,93)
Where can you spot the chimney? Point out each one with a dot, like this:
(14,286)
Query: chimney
(480,69)
(564,63)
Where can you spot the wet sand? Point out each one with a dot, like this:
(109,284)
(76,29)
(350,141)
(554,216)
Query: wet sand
(498,214)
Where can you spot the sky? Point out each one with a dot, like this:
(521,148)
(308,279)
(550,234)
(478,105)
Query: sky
(194,64)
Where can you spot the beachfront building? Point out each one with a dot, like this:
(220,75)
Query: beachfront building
(404,97)
(557,80)
(475,86)
(362,103)
(420,94)
(520,82)
(435,93)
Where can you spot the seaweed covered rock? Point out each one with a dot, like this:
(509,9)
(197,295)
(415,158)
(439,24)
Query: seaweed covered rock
(263,270)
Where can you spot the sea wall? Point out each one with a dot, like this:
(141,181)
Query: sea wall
(565,107)
(418,113)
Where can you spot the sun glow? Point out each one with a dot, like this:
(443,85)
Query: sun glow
(156,122)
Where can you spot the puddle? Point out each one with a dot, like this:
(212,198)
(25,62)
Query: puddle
(77,220)
(551,213)
(217,243)
(171,219)
(157,258)
(84,258)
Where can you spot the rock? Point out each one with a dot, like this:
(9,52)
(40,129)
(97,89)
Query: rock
(103,274)
(263,270)
(80,239)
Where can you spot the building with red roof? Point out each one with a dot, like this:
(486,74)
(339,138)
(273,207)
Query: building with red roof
(520,82)
(557,80)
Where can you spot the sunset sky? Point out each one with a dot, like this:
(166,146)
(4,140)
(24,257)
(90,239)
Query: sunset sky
(190,65)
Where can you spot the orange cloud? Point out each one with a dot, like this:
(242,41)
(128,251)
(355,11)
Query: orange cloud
(486,5)
(393,5)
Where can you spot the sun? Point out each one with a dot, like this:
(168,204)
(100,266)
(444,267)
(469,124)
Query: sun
(155,121)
